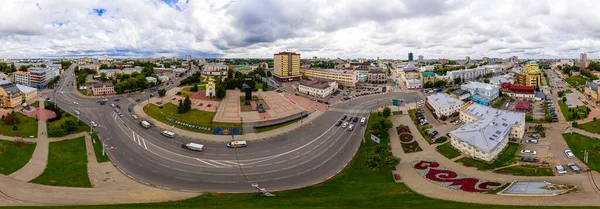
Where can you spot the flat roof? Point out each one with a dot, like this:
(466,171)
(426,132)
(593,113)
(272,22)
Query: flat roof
(443,100)
(330,70)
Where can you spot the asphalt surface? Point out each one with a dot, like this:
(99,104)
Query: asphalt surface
(306,156)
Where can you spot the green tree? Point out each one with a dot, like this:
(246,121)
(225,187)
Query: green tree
(575,125)
(269,74)
(180,107)
(220,91)
(457,80)
(439,83)
(528,117)
(194,88)
(187,103)
(487,80)
(387,112)
(69,125)
(162,92)
(23,68)
(564,99)
(428,84)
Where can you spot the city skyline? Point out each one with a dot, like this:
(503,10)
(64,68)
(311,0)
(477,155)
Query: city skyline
(347,29)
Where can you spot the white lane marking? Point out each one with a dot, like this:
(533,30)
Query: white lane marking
(216,166)
(133,135)
(234,163)
(144,142)
(223,164)
(138,140)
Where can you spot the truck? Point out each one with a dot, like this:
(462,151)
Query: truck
(145,124)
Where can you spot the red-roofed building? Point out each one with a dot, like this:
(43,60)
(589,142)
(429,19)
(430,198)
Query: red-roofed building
(523,106)
(517,91)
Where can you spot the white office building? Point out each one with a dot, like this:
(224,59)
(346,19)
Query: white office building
(443,105)
(486,131)
(316,88)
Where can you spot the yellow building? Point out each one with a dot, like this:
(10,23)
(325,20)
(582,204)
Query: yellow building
(286,66)
(10,96)
(428,76)
(211,88)
(530,76)
(343,77)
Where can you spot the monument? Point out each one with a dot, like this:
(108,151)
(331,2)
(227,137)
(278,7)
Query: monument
(210,88)
(248,91)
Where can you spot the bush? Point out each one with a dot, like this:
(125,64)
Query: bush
(441,140)
(392,161)
(575,125)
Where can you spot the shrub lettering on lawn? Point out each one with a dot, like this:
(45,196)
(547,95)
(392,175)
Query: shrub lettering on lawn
(438,174)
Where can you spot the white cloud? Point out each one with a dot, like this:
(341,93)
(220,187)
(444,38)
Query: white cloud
(332,28)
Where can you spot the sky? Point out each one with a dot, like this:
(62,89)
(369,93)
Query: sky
(386,29)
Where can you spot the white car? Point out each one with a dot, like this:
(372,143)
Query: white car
(532,141)
(528,152)
(94,124)
(75,103)
(77,112)
(351,127)
(569,154)
(345,125)
(560,169)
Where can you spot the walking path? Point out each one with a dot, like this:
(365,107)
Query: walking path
(37,163)
(139,110)
(586,195)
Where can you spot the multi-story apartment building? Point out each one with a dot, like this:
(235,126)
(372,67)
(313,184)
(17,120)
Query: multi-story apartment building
(214,69)
(36,77)
(317,88)
(486,131)
(10,96)
(22,77)
(286,66)
(443,105)
(29,94)
(427,76)
(103,89)
(530,75)
(481,93)
(470,74)
(343,77)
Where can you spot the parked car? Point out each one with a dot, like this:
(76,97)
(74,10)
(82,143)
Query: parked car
(433,134)
(532,141)
(535,136)
(529,160)
(569,154)
(137,100)
(343,117)
(560,169)
(345,125)
(349,119)
(574,167)
(355,119)
(338,123)
(116,100)
(351,127)
(528,152)
(93,123)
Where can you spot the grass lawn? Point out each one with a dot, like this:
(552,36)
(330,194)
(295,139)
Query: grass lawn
(575,80)
(448,151)
(506,158)
(498,102)
(201,87)
(527,170)
(14,155)
(577,143)
(354,187)
(67,165)
(195,117)
(592,126)
(397,112)
(81,126)
(264,129)
(568,91)
(36,104)
(26,127)
(98,149)
(569,115)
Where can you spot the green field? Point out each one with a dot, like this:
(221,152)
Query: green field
(575,80)
(195,117)
(448,151)
(577,143)
(506,158)
(67,165)
(14,155)
(26,127)
(592,126)
(528,170)
(201,87)
(98,149)
(569,115)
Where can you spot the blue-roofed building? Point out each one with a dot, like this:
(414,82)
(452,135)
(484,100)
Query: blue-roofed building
(481,93)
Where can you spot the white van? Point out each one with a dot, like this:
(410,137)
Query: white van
(193,146)
(167,134)
(233,144)
(363,121)
(145,124)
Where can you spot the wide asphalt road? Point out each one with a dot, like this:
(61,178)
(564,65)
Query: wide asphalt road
(303,157)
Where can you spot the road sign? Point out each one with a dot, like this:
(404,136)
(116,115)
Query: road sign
(398,102)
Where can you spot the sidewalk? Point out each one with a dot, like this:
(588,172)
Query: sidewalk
(138,109)
(37,163)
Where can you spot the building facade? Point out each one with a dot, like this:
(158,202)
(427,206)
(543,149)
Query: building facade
(100,88)
(317,88)
(470,74)
(427,77)
(10,96)
(525,92)
(443,105)
(487,131)
(530,76)
(36,77)
(286,66)
(29,94)
(343,77)
(215,69)
(591,91)
(481,93)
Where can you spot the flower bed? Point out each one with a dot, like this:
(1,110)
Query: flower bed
(406,137)
(439,175)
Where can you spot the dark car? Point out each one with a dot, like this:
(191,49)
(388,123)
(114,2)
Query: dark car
(529,160)
(116,100)
(433,134)
(338,123)
(343,117)
(355,119)
(129,109)
(349,119)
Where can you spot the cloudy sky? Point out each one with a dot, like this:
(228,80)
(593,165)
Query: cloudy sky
(337,28)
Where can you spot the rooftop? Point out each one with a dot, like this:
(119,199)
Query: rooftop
(478,85)
(318,84)
(10,88)
(460,92)
(443,100)
(492,126)
(428,74)
(329,70)
(25,89)
(100,84)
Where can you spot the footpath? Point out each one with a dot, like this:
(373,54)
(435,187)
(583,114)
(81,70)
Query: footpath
(139,110)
